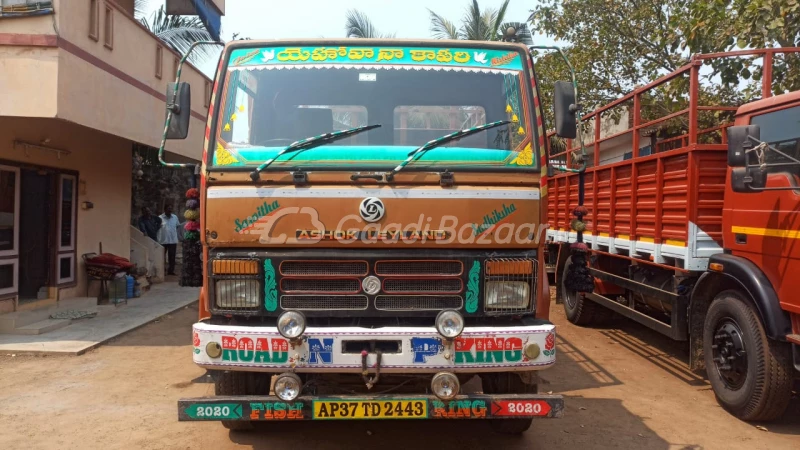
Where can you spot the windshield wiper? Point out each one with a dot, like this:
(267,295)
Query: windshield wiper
(443,140)
(311,142)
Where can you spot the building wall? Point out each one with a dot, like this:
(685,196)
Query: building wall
(104,165)
(28,81)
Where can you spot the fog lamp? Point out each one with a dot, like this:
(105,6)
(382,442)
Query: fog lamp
(288,386)
(291,324)
(445,385)
(449,324)
(532,351)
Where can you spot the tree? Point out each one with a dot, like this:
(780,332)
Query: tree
(178,32)
(725,25)
(477,25)
(358,25)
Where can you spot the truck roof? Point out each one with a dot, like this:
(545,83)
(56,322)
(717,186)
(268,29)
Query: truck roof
(769,102)
(374,42)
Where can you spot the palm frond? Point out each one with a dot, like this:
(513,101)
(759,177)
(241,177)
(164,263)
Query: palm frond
(442,28)
(474,25)
(180,32)
(358,25)
(499,18)
(140,7)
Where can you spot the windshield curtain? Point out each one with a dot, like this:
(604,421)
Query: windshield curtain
(269,102)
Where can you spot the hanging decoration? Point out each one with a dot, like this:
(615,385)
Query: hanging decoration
(192,272)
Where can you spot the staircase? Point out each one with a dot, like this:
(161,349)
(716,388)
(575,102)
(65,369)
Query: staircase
(38,321)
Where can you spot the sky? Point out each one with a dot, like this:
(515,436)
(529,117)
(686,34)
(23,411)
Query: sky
(278,19)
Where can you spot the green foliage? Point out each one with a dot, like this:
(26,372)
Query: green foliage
(477,25)
(180,32)
(723,25)
(358,25)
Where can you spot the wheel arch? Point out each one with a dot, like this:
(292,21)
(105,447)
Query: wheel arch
(741,275)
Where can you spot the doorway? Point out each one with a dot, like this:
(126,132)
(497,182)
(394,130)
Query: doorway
(35,223)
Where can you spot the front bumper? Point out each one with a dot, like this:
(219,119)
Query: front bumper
(420,349)
(261,408)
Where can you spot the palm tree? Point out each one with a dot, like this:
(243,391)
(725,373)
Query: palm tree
(477,25)
(177,32)
(358,25)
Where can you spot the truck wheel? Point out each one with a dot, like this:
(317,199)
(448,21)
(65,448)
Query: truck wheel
(239,383)
(508,383)
(751,375)
(580,310)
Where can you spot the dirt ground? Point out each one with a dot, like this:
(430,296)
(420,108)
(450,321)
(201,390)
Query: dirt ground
(625,386)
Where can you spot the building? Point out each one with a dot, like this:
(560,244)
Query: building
(81,82)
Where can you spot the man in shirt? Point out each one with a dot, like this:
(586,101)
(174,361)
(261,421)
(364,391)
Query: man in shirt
(149,224)
(169,236)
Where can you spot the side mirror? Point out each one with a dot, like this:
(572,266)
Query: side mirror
(740,139)
(565,108)
(748,179)
(181,110)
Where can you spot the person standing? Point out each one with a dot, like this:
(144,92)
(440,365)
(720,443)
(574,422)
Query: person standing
(169,236)
(149,224)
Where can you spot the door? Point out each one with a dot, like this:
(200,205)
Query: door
(9,229)
(34,233)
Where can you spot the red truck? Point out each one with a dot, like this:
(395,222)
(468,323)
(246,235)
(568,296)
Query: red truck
(695,234)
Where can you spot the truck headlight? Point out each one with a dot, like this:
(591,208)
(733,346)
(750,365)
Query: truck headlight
(507,295)
(237,293)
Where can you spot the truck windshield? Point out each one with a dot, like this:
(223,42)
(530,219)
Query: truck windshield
(274,96)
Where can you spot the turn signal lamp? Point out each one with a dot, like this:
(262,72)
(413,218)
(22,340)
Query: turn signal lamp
(716,267)
(235,267)
(509,267)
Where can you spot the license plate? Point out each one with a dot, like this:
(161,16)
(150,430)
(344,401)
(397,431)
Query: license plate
(370,409)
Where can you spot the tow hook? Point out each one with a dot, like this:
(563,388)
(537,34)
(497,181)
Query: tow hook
(365,371)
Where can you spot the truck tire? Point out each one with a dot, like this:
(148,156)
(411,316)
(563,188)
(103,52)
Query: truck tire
(238,383)
(508,383)
(751,375)
(580,310)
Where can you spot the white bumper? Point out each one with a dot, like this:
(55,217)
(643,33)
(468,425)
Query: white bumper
(478,349)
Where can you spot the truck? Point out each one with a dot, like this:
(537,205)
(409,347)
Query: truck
(370,213)
(693,233)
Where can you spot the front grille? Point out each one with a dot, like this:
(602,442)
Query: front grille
(503,276)
(418,268)
(452,285)
(417,302)
(334,285)
(324,268)
(324,302)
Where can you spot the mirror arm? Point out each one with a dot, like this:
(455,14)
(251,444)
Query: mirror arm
(573,108)
(172,108)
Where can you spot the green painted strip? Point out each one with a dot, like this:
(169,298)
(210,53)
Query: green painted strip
(214,411)
(473,287)
(270,287)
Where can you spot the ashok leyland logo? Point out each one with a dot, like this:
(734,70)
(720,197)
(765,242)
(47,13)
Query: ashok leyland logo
(371,209)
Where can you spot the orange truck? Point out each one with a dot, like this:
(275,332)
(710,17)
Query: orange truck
(695,234)
(369,214)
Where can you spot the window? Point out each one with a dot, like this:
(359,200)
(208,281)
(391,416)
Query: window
(66,213)
(175,63)
(159,61)
(207,94)
(94,20)
(781,129)
(67,216)
(9,210)
(66,268)
(8,276)
(416,125)
(108,28)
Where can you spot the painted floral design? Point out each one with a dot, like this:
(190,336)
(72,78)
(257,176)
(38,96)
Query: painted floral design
(223,157)
(473,286)
(270,287)
(525,157)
